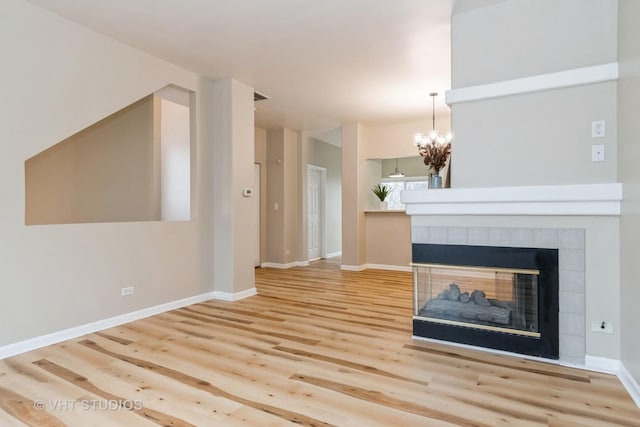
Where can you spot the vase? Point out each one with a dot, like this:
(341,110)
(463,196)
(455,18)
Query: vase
(383,206)
(436,181)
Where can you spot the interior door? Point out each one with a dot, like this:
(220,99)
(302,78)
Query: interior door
(314,212)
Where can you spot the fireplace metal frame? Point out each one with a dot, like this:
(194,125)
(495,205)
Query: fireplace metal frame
(462,323)
(544,260)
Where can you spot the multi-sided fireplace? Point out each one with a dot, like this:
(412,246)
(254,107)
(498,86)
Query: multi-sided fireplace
(495,297)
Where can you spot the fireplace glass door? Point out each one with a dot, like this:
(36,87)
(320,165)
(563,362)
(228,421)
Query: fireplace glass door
(497,299)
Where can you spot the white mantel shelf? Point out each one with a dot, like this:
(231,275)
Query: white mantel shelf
(383,211)
(552,200)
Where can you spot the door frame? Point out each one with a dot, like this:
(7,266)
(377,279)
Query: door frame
(257,194)
(322,194)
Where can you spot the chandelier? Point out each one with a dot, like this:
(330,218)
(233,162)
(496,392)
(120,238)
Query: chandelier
(433,147)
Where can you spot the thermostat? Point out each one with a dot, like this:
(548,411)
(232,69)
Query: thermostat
(247,192)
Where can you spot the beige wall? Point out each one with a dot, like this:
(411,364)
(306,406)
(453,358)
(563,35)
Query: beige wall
(396,139)
(362,148)
(355,196)
(629,147)
(542,137)
(388,238)
(292,190)
(283,182)
(260,138)
(275,196)
(104,173)
(521,38)
(61,276)
(352,182)
(235,228)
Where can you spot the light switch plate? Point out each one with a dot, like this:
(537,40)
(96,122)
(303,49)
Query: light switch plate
(598,129)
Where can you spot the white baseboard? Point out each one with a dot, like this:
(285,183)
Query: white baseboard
(228,296)
(75,332)
(602,364)
(375,267)
(353,267)
(488,350)
(334,254)
(284,266)
(388,267)
(630,383)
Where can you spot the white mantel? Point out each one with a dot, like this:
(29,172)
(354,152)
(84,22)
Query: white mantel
(582,200)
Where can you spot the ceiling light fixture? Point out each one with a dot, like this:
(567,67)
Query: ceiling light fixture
(433,147)
(421,140)
(396,173)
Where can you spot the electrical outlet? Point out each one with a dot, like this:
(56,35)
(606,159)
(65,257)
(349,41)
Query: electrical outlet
(597,153)
(598,129)
(602,326)
(127,291)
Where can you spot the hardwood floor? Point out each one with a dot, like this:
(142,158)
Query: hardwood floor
(316,346)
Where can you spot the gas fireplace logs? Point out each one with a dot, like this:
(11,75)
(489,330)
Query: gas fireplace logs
(455,305)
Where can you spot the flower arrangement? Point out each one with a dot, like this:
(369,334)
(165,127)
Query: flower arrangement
(434,154)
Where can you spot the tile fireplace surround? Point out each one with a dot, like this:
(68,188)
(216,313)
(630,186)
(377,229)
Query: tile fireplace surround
(549,217)
(571,265)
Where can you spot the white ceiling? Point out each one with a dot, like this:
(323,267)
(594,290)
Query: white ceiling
(323,63)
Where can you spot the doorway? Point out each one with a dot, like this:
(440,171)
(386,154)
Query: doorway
(316,216)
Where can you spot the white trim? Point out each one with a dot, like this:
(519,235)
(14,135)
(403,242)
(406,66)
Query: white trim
(384,211)
(77,331)
(284,266)
(629,383)
(334,254)
(559,362)
(490,350)
(228,296)
(353,267)
(561,79)
(581,200)
(388,267)
(602,364)
(375,267)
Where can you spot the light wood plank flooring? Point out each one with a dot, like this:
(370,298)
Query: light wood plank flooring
(317,346)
